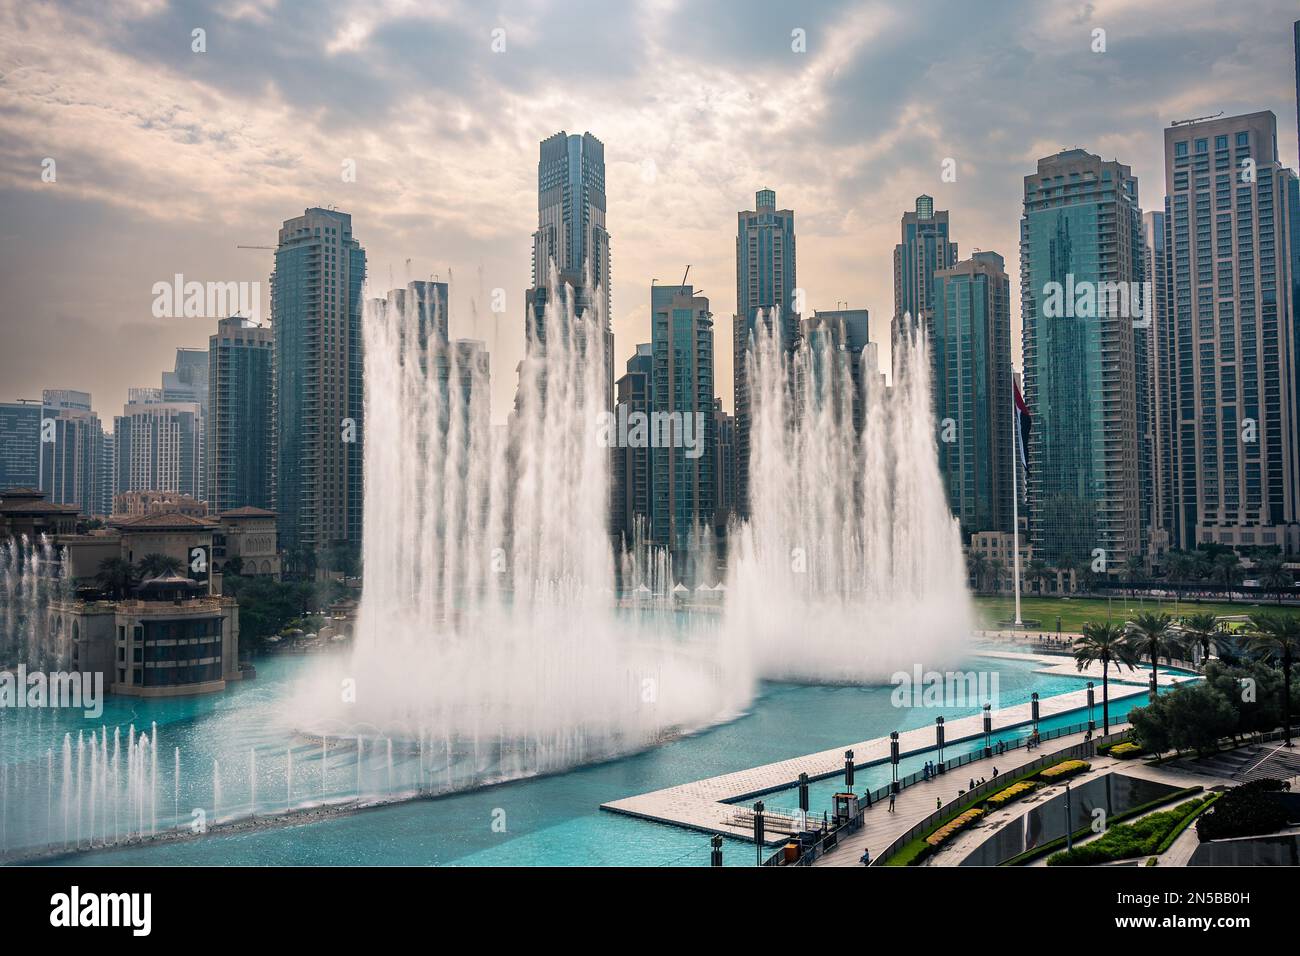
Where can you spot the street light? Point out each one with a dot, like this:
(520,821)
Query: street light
(715,855)
(1069,819)
(938,739)
(1092,724)
(848,770)
(893,758)
(758,830)
(988,730)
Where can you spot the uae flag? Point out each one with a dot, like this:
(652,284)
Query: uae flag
(1022,426)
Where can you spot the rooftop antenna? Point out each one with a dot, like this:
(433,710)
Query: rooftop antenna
(684,275)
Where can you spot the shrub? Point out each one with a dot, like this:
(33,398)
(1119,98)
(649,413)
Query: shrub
(1246,810)
(958,823)
(1013,792)
(1064,769)
(1126,840)
(1126,750)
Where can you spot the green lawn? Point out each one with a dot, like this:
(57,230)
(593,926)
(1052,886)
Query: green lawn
(1075,611)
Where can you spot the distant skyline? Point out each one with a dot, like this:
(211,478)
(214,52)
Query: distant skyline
(166,159)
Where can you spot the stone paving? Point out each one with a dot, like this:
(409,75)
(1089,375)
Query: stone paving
(708,805)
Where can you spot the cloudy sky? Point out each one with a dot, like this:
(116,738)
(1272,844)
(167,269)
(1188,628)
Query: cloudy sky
(167,159)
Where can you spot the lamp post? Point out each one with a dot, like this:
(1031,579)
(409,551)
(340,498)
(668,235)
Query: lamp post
(1033,710)
(893,759)
(715,855)
(988,730)
(758,830)
(803,796)
(848,770)
(938,739)
(1092,724)
(1069,819)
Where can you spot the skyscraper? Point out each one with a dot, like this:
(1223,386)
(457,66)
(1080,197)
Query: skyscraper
(1080,234)
(846,333)
(188,382)
(241,421)
(632,464)
(1161,409)
(157,447)
(1229,336)
(571,236)
(971,354)
(765,279)
(924,247)
(316,318)
(20,444)
(70,462)
(683,487)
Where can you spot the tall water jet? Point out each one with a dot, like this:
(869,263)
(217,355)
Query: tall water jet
(487,621)
(30,581)
(851,566)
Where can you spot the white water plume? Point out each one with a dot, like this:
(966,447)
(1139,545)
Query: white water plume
(488,629)
(851,566)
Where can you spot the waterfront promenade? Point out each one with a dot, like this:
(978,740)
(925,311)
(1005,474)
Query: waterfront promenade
(711,805)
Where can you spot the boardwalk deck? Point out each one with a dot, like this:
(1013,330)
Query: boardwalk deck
(708,805)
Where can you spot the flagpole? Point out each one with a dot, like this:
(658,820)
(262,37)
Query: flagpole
(1015,493)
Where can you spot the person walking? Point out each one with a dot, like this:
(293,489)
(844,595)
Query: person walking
(891,801)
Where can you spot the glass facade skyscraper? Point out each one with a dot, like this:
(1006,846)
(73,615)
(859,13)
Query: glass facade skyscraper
(70,463)
(971,355)
(316,317)
(633,465)
(571,238)
(20,443)
(1081,230)
(683,488)
(241,419)
(1228,335)
(925,246)
(765,279)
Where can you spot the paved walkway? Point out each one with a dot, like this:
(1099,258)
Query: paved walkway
(880,827)
(709,804)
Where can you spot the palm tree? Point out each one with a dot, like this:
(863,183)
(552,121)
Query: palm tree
(160,565)
(1085,576)
(998,572)
(977,566)
(1201,629)
(1133,570)
(1273,574)
(1038,572)
(1064,565)
(1278,637)
(1202,564)
(1108,643)
(1226,569)
(1154,636)
(116,575)
(1179,567)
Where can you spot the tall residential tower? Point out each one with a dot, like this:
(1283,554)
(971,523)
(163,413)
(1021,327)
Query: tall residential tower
(316,318)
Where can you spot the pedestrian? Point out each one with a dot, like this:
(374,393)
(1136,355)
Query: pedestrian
(891,801)
(995,773)
(865,859)
(938,803)
(972,784)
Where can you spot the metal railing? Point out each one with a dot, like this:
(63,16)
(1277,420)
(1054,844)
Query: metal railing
(830,840)
(1081,750)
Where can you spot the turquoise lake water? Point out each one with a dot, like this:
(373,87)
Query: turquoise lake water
(550,820)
